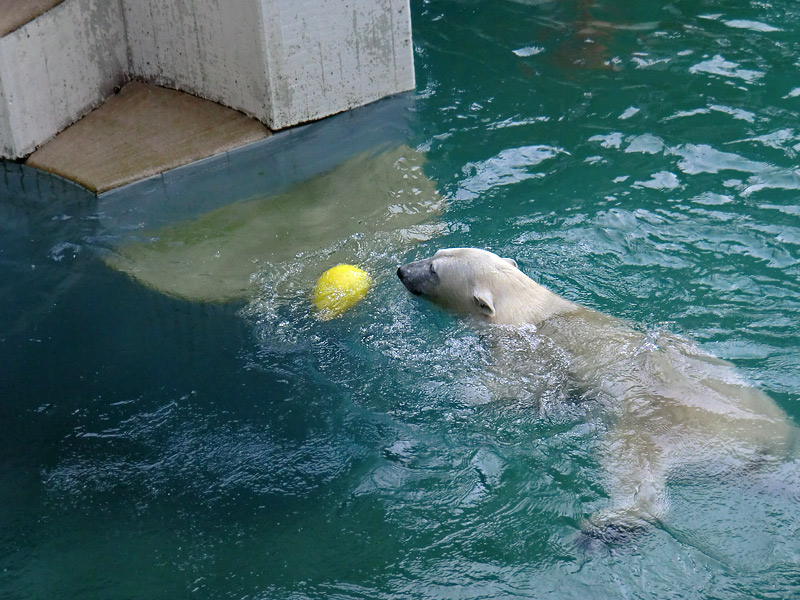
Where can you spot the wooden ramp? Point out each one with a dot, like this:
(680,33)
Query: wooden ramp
(143,131)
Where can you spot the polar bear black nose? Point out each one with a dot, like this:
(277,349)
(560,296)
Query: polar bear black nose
(403,274)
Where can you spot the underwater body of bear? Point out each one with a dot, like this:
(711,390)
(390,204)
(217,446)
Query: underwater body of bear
(671,404)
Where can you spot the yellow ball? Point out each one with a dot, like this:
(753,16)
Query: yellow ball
(339,288)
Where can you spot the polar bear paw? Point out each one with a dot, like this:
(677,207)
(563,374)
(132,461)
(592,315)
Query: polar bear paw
(594,537)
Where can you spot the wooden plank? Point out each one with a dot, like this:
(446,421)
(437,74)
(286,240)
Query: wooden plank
(142,131)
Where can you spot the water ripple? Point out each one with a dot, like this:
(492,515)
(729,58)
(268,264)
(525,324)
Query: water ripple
(508,167)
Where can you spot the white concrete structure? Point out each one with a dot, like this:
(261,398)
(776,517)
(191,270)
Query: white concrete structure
(211,48)
(56,68)
(281,61)
(326,56)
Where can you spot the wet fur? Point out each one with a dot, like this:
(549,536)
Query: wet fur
(671,405)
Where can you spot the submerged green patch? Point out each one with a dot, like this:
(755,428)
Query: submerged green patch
(220,256)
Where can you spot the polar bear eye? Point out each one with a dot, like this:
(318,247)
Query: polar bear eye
(432,269)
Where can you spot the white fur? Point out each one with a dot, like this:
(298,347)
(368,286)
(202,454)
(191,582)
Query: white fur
(480,283)
(672,404)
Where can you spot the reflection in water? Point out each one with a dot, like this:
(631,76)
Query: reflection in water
(372,205)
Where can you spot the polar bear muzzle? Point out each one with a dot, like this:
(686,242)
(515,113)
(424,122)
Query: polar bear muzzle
(419,277)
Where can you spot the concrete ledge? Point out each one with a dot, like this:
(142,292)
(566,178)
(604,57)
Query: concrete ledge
(143,131)
(15,13)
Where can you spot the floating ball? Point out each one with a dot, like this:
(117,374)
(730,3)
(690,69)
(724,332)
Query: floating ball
(339,288)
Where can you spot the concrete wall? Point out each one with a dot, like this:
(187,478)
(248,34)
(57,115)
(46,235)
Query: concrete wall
(56,68)
(282,61)
(209,48)
(327,56)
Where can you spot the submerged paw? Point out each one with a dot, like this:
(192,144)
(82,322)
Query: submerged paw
(608,535)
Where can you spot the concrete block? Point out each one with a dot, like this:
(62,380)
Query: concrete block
(209,48)
(15,13)
(56,68)
(328,56)
(284,62)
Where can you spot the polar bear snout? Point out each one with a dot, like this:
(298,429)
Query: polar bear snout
(418,277)
(402,273)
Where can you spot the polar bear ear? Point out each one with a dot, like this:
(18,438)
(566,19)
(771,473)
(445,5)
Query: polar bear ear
(512,262)
(485,303)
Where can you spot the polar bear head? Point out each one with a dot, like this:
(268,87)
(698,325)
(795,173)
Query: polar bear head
(467,281)
(476,282)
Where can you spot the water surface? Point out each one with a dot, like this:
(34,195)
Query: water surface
(640,158)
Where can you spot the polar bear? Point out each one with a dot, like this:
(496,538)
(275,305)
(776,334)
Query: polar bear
(669,404)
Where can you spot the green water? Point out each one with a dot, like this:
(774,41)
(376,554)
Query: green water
(639,158)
